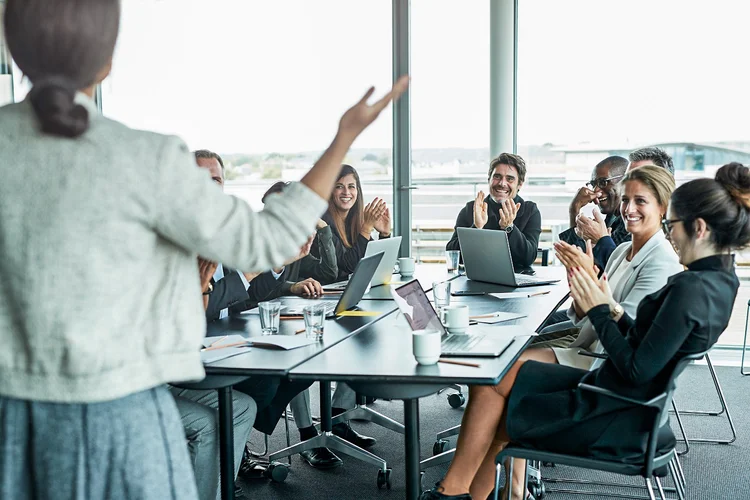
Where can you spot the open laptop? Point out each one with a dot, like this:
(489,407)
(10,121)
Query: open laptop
(489,342)
(389,247)
(355,289)
(487,258)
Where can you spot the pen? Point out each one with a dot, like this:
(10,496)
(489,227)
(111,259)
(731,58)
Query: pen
(538,293)
(462,363)
(299,331)
(233,344)
(217,341)
(291,317)
(332,292)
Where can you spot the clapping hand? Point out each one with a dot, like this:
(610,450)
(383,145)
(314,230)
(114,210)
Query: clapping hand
(361,115)
(571,257)
(592,229)
(303,251)
(206,270)
(372,213)
(508,212)
(588,292)
(307,288)
(383,224)
(480,211)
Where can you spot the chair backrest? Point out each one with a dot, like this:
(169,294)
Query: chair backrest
(662,407)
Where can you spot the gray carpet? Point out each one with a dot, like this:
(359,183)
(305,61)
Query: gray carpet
(713,471)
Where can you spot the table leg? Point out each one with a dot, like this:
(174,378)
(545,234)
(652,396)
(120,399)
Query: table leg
(326,411)
(411,442)
(226,443)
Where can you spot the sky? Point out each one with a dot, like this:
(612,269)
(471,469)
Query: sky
(257,76)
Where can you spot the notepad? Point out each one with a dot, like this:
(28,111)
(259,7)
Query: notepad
(218,354)
(357,314)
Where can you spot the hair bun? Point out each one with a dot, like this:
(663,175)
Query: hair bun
(735,178)
(54,104)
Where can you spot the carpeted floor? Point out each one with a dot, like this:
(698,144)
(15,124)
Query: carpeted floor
(713,471)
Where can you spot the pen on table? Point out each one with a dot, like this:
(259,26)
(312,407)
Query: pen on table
(233,344)
(332,292)
(291,317)
(217,341)
(538,293)
(302,330)
(462,363)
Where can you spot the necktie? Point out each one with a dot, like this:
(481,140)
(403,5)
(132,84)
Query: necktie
(219,274)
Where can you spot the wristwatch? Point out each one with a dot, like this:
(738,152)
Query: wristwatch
(509,228)
(616,311)
(209,290)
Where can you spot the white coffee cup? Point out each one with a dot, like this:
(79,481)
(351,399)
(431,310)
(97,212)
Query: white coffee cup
(425,345)
(455,318)
(406,266)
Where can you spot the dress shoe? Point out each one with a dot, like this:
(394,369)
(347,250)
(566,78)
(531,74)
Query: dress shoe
(321,458)
(434,494)
(238,493)
(344,431)
(252,469)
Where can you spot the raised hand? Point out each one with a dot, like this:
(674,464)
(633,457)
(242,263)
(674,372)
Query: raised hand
(321,224)
(480,211)
(361,115)
(583,197)
(571,257)
(206,270)
(383,224)
(588,292)
(307,288)
(303,251)
(372,212)
(589,229)
(508,212)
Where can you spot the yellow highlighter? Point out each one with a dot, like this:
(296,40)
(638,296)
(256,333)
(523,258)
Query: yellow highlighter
(357,314)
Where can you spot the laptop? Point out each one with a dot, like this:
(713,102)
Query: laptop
(488,342)
(355,289)
(389,247)
(487,258)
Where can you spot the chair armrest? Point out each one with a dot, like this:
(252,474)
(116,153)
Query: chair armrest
(654,403)
(584,352)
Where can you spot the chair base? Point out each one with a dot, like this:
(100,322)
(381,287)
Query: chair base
(363,412)
(335,443)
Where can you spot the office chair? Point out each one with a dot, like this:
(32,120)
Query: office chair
(711,413)
(655,464)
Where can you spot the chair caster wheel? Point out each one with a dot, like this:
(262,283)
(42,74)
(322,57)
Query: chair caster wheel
(277,472)
(384,479)
(548,464)
(537,489)
(421,481)
(456,400)
(439,447)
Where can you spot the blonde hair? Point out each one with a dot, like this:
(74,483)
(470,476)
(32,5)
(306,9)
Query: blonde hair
(657,179)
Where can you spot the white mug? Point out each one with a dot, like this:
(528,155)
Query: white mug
(425,345)
(455,318)
(406,266)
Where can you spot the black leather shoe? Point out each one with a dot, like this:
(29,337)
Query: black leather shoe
(344,431)
(252,469)
(238,493)
(321,458)
(434,494)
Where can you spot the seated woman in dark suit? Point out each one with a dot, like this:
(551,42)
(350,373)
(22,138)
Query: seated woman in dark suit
(538,404)
(352,222)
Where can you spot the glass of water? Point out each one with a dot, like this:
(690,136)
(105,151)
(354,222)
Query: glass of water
(441,292)
(451,259)
(269,317)
(315,318)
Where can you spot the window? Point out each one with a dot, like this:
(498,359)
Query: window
(261,83)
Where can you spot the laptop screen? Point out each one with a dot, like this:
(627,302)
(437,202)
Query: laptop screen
(416,308)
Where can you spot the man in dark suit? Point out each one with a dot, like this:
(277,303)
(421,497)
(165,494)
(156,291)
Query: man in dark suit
(504,210)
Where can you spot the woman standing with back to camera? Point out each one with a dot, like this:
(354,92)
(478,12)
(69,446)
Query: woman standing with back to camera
(100,229)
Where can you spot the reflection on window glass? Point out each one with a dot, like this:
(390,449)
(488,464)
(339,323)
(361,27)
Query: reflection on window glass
(261,83)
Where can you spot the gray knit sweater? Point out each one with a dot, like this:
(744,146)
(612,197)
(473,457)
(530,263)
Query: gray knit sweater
(99,294)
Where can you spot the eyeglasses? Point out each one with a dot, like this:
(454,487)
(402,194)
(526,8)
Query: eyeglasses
(601,182)
(668,224)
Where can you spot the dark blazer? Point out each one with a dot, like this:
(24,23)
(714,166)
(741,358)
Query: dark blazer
(686,316)
(228,291)
(606,245)
(523,239)
(347,258)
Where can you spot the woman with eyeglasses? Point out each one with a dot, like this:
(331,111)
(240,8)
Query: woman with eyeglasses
(539,404)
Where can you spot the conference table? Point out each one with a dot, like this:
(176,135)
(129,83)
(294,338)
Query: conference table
(373,354)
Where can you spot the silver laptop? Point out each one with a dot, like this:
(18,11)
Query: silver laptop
(349,299)
(389,247)
(487,258)
(490,343)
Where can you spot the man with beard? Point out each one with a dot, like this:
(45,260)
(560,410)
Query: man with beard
(504,210)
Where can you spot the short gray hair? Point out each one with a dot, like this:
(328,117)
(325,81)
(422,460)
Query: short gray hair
(209,155)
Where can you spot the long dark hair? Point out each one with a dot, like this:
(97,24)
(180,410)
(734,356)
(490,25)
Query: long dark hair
(723,202)
(61,46)
(348,229)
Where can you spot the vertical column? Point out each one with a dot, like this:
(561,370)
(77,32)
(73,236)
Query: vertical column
(6,66)
(503,69)
(402,128)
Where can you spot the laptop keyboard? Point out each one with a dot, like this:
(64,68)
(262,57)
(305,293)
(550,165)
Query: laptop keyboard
(456,343)
(522,279)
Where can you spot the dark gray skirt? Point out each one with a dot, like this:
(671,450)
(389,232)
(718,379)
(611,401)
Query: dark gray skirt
(129,448)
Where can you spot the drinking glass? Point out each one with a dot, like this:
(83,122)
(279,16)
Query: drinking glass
(441,292)
(451,259)
(269,317)
(315,319)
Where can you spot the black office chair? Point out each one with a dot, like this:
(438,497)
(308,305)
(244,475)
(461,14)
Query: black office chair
(653,466)
(744,342)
